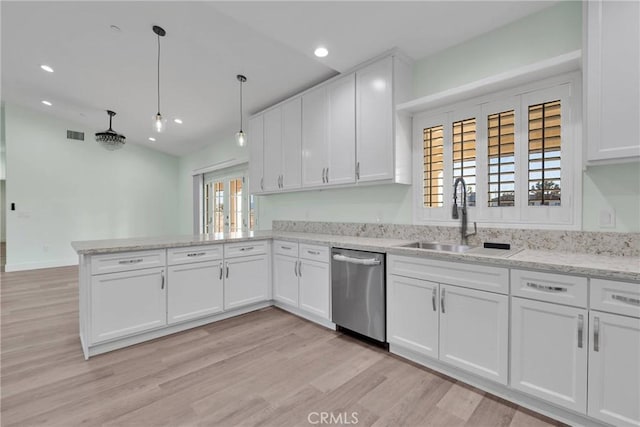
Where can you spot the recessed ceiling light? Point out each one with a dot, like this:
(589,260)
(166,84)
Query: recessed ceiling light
(47,103)
(152,139)
(114,27)
(47,68)
(321,52)
(178,121)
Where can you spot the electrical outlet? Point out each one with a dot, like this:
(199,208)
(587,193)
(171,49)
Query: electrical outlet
(607,218)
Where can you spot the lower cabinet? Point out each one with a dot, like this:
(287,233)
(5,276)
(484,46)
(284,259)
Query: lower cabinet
(464,327)
(549,352)
(195,290)
(614,369)
(314,287)
(474,331)
(413,314)
(128,302)
(285,278)
(246,281)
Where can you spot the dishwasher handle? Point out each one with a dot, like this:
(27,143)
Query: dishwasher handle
(361,261)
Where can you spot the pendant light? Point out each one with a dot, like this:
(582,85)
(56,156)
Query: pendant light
(110,139)
(241,137)
(159,123)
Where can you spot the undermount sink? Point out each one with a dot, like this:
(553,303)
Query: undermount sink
(434,246)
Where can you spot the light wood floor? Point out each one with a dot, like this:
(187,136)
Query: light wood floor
(264,368)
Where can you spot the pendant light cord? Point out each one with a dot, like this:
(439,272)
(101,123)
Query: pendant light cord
(158,74)
(240,105)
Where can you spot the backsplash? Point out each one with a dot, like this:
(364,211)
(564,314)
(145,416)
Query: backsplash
(590,242)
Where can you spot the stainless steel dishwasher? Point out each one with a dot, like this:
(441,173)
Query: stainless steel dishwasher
(358,292)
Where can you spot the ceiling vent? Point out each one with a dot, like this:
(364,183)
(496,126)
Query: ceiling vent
(74,134)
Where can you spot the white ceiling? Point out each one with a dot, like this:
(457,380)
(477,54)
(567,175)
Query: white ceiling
(207,44)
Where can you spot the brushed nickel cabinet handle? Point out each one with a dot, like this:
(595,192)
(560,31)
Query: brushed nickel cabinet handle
(433,299)
(546,287)
(295,268)
(580,329)
(313,252)
(262,183)
(327,174)
(323,178)
(162,280)
(286,248)
(442,301)
(357,170)
(130,261)
(192,254)
(627,300)
(227,273)
(220,271)
(299,268)
(247,248)
(596,334)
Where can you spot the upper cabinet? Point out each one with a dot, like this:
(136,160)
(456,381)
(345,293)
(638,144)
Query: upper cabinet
(256,153)
(329,134)
(342,132)
(612,80)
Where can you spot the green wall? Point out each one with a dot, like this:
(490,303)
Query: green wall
(68,190)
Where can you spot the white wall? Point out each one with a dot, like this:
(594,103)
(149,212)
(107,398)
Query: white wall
(68,190)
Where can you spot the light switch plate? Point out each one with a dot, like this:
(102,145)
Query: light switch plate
(607,218)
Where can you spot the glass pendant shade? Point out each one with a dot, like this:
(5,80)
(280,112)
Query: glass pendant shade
(159,123)
(241,138)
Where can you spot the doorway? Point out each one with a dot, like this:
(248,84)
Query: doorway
(228,208)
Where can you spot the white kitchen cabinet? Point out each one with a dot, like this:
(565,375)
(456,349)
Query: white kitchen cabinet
(328,134)
(341,131)
(255,140)
(314,287)
(413,314)
(383,147)
(612,80)
(126,303)
(285,278)
(246,281)
(272,149)
(474,331)
(291,144)
(549,352)
(614,369)
(194,290)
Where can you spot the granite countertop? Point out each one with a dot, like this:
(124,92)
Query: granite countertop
(607,267)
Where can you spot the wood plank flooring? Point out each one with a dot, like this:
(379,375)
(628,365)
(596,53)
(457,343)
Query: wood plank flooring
(266,368)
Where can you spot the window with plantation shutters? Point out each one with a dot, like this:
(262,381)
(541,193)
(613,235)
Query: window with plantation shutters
(544,154)
(501,158)
(464,155)
(518,151)
(433,152)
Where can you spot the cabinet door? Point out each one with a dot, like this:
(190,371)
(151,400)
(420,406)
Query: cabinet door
(246,281)
(292,144)
(341,125)
(272,149)
(412,314)
(474,331)
(374,121)
(255,139)
(549,352)
(314,288)
(194,290)
(314,137)
(614,369)
(285,279)
(126,303)
(613,79)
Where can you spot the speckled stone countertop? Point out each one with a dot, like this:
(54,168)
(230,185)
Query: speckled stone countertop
(608,267)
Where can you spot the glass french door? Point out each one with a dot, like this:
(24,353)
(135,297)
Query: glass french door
(228,208)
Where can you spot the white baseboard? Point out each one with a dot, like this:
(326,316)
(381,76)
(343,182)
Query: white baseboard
(38,265)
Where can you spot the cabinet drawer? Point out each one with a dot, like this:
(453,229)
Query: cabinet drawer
(314,252)
(126,261)
(194,254)
(615,297)
(282,247)
(482,277)
(557,288)
(232,250)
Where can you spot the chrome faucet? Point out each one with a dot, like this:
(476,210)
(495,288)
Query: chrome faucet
(464,236)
